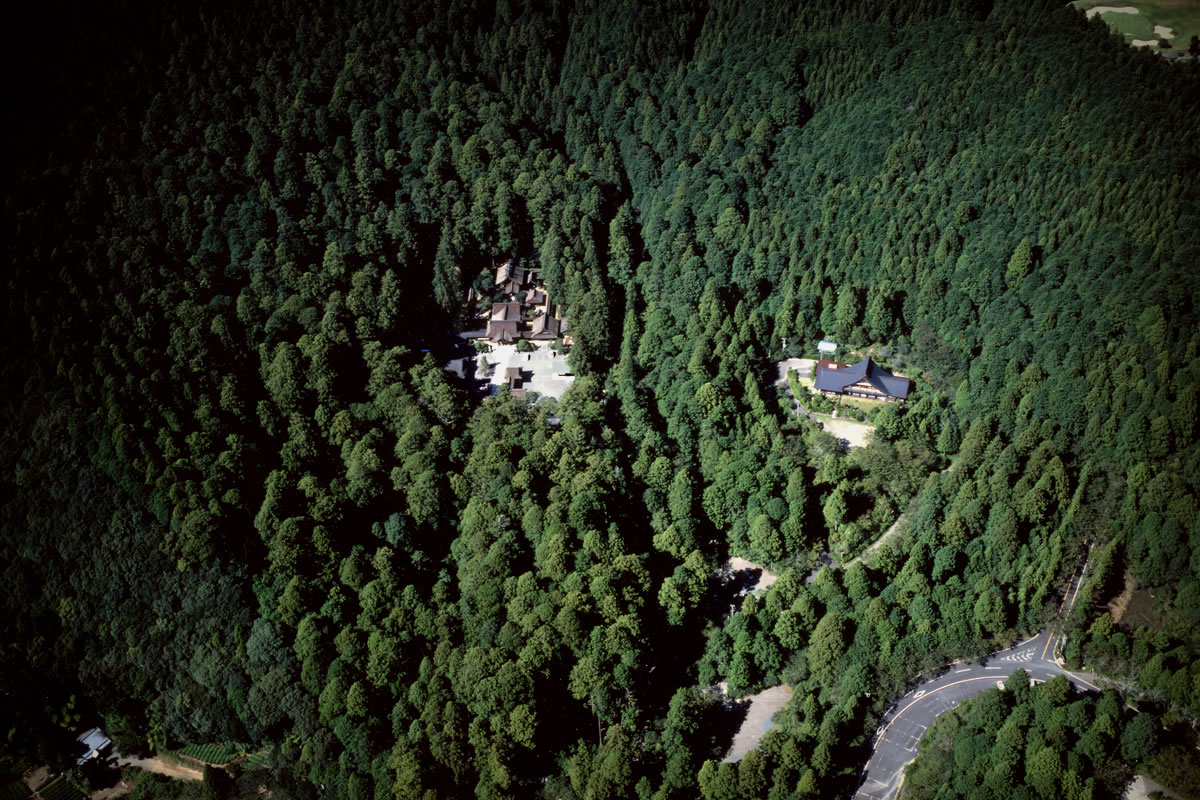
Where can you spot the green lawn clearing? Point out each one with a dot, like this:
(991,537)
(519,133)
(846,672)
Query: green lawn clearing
(60,789)
(14,789)
(1152,21)
(859,403)
(215,754)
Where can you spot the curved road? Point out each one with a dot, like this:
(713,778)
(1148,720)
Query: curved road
(910,716)
(803,367)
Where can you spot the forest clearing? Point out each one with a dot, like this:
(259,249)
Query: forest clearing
(1146,24)
(853,432)
(760,710)
(763,578)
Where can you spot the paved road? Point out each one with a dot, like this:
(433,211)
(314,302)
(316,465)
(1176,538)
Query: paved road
(909,717)
(804,368)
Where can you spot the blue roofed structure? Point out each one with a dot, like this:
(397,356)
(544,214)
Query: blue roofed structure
(865,379)
(90,745)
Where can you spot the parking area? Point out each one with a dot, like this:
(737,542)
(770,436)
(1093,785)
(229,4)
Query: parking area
(803,367)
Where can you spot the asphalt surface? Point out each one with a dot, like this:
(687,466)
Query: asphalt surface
(804,368)
(910,716)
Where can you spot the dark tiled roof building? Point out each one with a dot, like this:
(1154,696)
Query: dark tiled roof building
(865,379)
(510,278)
(515,381)
(504,324)
(547,326)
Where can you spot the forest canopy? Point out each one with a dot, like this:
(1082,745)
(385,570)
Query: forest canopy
(245,502)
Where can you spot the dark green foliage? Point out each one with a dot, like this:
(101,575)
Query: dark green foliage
(244,502)
(1041,742)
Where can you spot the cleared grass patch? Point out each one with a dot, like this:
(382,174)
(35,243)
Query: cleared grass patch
(1144,21)
(215,754)
(60,789)
(859,403)
(1140,612)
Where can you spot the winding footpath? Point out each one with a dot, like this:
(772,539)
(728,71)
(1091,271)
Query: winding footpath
(910,716)
(887,535)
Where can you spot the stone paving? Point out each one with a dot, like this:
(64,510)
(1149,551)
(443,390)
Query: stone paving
(543,370)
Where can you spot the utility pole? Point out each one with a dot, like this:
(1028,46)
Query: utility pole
(597,713)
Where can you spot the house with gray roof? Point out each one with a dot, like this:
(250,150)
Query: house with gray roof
(866,379)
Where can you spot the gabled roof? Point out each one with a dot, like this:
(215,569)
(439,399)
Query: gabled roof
(508,272)
(545,326)
(504,324)
(502,331)
(837,380)
(506,312)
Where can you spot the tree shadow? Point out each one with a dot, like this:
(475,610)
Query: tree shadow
(824,560)
(733,585)
(720,724)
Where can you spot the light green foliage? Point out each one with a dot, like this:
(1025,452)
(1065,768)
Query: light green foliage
(1026,742)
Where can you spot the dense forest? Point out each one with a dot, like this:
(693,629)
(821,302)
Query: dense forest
(243,501)
(1024,742)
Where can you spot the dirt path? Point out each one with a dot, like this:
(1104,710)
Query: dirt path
(889,534)
(162,767)
(1120,603)
(758,720)
(875,545)
(1141,787)
(120,790)
(36,777)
